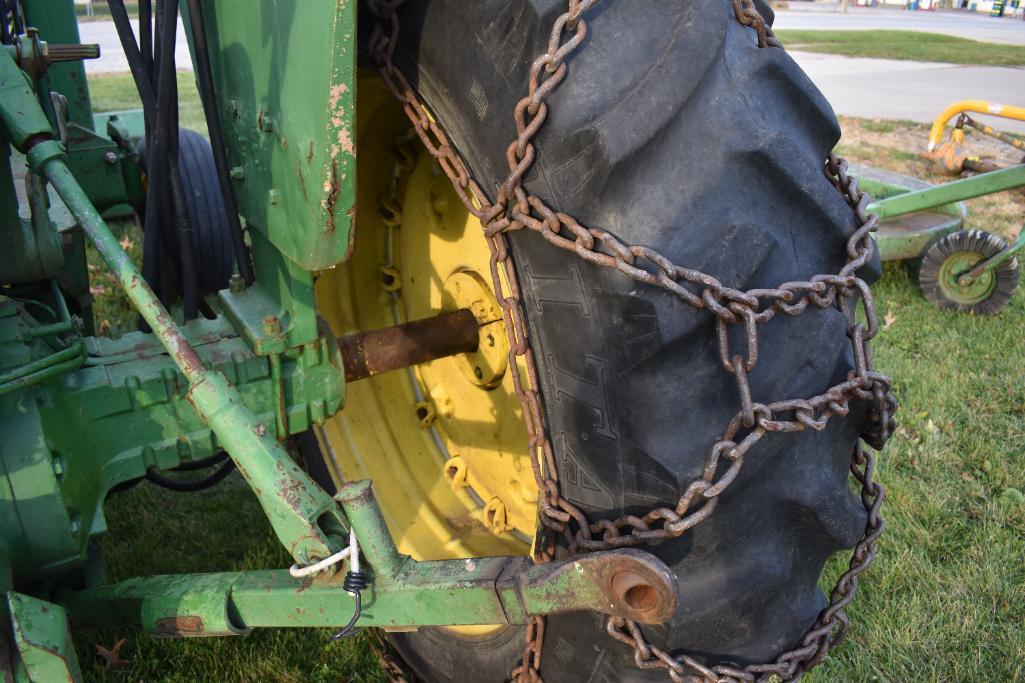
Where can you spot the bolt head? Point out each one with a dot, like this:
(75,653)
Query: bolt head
(271,324)
(110,157)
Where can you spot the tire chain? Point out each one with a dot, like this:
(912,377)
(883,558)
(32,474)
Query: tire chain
(515,209)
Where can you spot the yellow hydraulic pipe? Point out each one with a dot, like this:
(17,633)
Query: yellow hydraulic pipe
(1007,111)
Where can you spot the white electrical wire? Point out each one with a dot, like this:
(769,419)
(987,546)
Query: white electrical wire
(352,551)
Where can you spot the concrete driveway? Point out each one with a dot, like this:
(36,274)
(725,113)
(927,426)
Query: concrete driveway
(112,57)
(882,88)
(916,91)
(975,26)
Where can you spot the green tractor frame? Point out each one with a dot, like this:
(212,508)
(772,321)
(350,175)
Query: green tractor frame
(260,320)
(241,382)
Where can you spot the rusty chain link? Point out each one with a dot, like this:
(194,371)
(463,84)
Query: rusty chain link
(515,209)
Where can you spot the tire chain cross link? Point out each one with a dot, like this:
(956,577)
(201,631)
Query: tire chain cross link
(515,209)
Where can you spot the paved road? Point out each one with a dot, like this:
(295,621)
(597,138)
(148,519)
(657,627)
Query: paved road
(858,87)
(112,57)
(917,91)
(813,15)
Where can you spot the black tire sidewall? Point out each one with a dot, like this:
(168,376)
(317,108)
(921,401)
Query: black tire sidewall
(208,218)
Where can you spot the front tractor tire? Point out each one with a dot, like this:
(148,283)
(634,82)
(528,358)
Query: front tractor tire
(676,131)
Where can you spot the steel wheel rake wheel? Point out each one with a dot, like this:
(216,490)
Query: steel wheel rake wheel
(942,273)
(632,386)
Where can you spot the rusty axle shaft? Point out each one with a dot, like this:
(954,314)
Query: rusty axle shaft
(391,348)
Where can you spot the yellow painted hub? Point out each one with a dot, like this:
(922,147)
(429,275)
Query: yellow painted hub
(444,442)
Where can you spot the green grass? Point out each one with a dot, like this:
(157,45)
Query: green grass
(945,600)
(153,531)
(913,45)
(114,92)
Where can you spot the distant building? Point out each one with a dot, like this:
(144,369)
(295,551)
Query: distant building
(997,8)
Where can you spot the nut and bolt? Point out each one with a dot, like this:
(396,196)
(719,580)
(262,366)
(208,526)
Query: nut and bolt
(455,472)
(236,285)
(496,516)
(271,325)
(237,173)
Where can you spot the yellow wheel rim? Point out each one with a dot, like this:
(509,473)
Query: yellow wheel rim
(444,442)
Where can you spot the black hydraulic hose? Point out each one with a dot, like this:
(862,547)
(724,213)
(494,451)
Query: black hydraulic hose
(153,475)
(136,63)
(9,31)
(187,466)
(154,241)
(203,463)
(152,250)
(213,125)
(162,162)
(146,35)
(5,36)
(167,128)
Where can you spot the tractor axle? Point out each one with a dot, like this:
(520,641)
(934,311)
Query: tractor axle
(366,354)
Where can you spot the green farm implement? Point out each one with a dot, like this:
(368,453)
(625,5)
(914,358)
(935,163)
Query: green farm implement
(471,297)
(967,270)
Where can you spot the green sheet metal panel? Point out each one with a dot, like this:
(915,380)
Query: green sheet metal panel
(284,74)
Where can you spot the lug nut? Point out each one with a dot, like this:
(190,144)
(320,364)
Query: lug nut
(496,517)
(455,472)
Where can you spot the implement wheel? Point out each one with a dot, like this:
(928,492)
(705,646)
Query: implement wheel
(942,278)
(673,130)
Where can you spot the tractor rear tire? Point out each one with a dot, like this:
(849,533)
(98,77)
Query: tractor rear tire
(673,130)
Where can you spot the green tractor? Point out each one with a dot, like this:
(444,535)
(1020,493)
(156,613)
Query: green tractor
(539,330)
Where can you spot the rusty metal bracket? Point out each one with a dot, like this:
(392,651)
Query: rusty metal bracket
(630,584)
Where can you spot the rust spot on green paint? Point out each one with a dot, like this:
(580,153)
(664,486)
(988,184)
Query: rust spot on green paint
(172,627)
(302,180)
(333,189)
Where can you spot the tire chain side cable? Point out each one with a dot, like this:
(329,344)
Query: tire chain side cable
(515,209)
